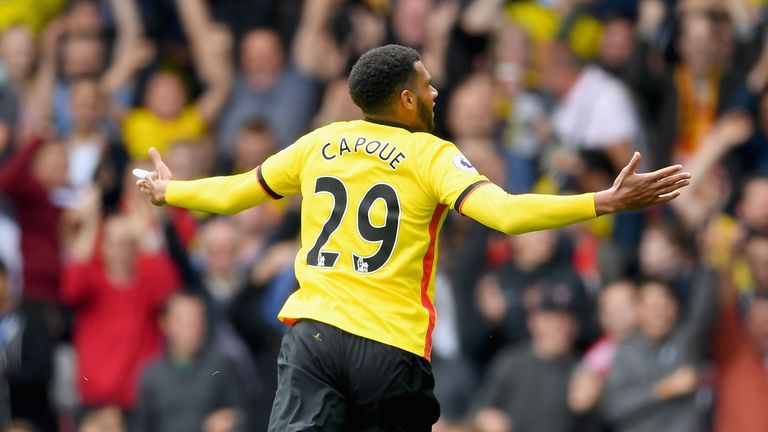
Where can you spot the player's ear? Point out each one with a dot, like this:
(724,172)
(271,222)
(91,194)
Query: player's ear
(408,99)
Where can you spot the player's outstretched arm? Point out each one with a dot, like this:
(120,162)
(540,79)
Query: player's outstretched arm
(222,195)
(515,214)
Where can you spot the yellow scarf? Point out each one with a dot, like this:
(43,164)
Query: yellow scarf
(697,111)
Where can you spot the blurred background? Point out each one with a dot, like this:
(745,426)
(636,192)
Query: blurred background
(119,316)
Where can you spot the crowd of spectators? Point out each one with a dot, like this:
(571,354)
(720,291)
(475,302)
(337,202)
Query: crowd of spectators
(116,315)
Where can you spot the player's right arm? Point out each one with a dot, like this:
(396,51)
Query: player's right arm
(222,195)
(228,194)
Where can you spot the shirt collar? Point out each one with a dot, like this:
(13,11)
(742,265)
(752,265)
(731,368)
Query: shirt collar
(392,124)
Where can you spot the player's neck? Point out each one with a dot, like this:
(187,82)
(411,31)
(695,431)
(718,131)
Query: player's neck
(389,121)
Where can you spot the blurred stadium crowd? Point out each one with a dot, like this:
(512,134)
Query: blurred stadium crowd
(119,316)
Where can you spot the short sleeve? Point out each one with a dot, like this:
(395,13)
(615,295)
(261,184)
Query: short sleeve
(280,174)
(451,175)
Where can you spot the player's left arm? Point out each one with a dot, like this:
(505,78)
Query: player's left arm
(515,214)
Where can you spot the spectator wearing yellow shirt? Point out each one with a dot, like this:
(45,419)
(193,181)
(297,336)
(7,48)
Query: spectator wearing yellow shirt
(166,117)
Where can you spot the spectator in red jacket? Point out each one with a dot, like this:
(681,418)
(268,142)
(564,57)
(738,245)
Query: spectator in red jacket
(116,295)
(27,180)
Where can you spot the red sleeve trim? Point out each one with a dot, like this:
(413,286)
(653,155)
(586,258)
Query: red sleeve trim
(467,192)
(264,186)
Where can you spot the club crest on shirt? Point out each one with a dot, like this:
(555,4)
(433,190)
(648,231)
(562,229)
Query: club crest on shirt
(463,164)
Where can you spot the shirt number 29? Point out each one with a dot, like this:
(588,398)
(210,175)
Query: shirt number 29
(385,234)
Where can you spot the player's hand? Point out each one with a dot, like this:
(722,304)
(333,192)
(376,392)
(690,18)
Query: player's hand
(156,182)
(633,191)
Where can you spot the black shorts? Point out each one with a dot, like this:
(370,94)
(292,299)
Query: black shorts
(331,380)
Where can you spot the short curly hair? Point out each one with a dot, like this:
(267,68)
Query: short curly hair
(379,75)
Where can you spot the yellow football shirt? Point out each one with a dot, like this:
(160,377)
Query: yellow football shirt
(374,199)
